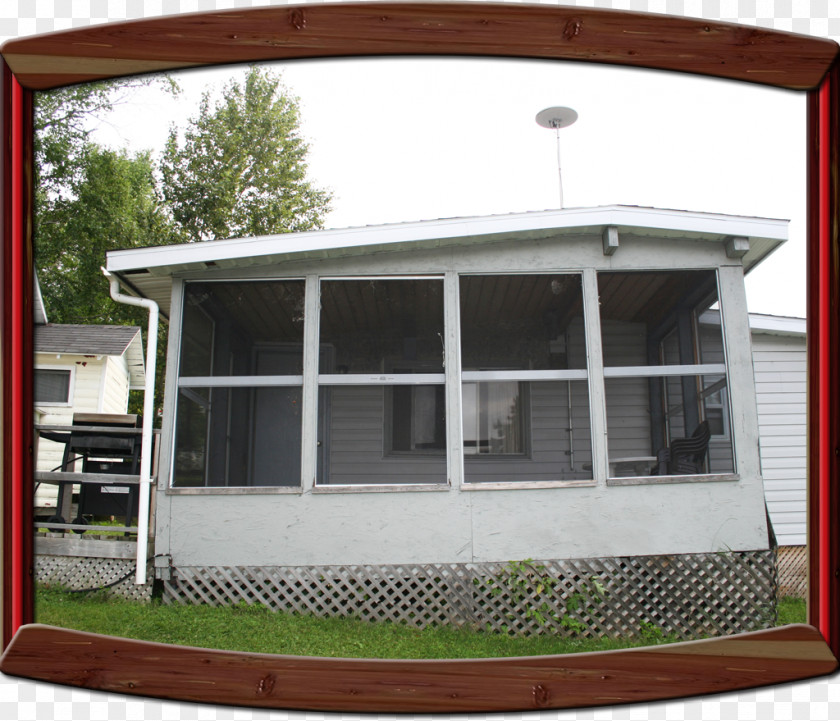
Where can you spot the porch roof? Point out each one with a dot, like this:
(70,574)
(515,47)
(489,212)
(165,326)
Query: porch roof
(148,271)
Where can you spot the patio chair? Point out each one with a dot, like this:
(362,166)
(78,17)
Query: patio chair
(685,456)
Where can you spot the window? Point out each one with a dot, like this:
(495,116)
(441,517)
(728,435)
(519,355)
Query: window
(716,411)
(382,400)
(238,420)
(418,419)
(494,418)
(525,398)
(52,386)
(664,375)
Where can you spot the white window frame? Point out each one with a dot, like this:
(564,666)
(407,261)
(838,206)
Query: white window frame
(385,379)
(453,379)
(71,385)
(525,376)
(664,371)
(218,381)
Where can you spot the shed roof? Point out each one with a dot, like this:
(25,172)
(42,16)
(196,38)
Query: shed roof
(148,271)
(777,324)
(95,340)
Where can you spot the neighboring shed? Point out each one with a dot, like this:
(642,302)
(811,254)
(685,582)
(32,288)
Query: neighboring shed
(780,363)
(779,360)
(80,368)
(376,420)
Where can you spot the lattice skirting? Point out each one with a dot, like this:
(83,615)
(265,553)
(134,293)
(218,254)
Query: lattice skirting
(793,571)
(687,595)
(77,573)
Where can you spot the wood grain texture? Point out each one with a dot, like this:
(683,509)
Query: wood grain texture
(528,31)
(527,683)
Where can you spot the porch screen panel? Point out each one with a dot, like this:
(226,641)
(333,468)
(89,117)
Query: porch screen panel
(382,400)
(227,325)
(238,421)
(525,398)
(665,373)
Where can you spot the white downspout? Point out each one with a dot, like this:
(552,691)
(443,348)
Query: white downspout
(148,417)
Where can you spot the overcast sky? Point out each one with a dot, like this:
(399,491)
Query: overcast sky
(403,139)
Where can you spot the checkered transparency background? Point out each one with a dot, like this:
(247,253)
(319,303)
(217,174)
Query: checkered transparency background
(25,700)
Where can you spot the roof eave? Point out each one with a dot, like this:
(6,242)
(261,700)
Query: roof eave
(165,260)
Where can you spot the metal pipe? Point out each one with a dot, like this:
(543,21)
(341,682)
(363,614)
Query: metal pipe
(148,417)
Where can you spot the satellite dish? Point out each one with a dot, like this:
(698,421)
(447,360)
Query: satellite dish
(556,118)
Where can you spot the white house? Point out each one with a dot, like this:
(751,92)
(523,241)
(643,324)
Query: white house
(79,369)
(395,412)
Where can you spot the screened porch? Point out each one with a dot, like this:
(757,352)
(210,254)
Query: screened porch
(392,380)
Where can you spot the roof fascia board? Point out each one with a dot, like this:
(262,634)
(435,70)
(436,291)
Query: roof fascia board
(436,231)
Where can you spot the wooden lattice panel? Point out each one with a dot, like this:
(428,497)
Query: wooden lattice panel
(793,571)
(686,595)
(77,573)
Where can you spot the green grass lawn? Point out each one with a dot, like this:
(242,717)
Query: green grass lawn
(791,610)
(259,630)
(94,534)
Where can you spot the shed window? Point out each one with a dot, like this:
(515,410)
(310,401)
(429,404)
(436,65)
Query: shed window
(52,386)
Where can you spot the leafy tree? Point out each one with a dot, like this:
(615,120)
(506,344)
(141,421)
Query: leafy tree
(64,120)
(113,205)
(241,168)
(89,200)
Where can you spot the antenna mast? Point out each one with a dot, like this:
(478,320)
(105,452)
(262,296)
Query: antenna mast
(556,118)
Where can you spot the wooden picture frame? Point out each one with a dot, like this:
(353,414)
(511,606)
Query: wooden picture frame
(717,49)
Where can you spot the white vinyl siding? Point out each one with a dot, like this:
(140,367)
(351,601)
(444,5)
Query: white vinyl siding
(85,388)
(114,394)
(357,442)
(780,382)
(91,393)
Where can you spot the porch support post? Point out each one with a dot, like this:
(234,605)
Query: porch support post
(597,393)
(163,501)
(741,381)
(311,352)
(452,371)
